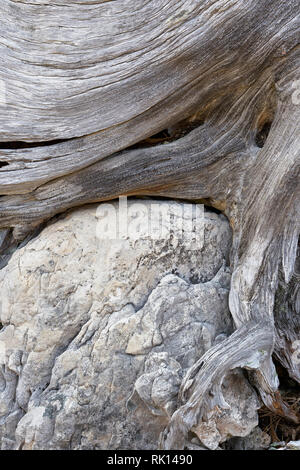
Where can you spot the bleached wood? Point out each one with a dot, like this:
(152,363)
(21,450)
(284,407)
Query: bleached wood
(104,75)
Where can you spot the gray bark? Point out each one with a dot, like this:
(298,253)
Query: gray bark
(104,75)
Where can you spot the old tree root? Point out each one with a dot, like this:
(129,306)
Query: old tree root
(231,66)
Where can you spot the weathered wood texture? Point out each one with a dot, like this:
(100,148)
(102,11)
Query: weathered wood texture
(104,75)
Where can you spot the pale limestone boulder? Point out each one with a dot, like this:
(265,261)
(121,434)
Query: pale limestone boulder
(98,333)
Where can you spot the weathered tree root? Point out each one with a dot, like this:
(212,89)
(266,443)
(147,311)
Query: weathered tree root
(200,391)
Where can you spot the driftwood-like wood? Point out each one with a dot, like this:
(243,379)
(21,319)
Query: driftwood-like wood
(84,81)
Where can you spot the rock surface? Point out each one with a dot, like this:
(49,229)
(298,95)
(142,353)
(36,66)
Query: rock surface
(98,334)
